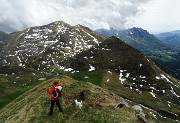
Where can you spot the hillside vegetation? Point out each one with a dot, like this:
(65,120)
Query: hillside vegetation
(98,105)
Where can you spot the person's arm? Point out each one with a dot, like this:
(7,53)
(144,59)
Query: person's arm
(51,91)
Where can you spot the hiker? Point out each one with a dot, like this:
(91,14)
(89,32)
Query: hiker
(55,93)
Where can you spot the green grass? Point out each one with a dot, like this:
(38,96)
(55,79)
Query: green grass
(33,105)
(10,90)
(95,77)
(73,115)
(166,120)
(71,91)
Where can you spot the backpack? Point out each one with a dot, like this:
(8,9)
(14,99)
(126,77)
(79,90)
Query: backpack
(57,92)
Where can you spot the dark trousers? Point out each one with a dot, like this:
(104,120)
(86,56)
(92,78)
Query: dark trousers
(52,106)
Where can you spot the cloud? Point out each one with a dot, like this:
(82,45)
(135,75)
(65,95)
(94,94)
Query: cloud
(19,14)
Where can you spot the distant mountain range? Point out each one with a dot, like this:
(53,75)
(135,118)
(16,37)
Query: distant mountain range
(165,55)
(171,38)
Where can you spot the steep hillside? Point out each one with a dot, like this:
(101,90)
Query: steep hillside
(15,80)
(165,55)
(49,45)
(98,105)
(3,39)
(128,70)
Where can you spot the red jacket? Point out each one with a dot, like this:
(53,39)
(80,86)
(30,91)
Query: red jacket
(51,92)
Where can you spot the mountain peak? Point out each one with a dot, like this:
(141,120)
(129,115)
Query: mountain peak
(35,46)
(137,32)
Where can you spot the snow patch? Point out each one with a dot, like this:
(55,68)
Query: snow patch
(110,72)
(153,114)
(157,77)
(120,78)
(172,91)
(42,79)
(127,75)
(164,77)
(91,68)
(140,65)
(86,77)
(153,94)
(142,77)
(68,69)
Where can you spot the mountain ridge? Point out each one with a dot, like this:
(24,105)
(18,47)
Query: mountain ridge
(132,69)
(152,47)
(101,109)
(57,38)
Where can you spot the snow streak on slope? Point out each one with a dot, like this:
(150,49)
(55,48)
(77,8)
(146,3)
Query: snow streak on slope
(52,43)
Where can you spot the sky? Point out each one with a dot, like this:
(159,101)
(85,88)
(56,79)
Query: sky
(153,15)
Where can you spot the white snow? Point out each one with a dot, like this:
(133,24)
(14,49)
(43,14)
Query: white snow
(153,88)
(110,72)
(153,114)
(42,79)
(5,61)
(86,77)
(172,91)
(153,94)
(29,37)
(157,77)
(164,77)
(142,77)
(91,68)
(21,34)
(35,34)
(94,39)
(127,75)
(61,67)
(20,64)
(140,65)
(120,78)
(68,69)
(106,49)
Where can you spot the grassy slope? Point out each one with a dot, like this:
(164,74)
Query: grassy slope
(13,84)
(113,85)
(98,106)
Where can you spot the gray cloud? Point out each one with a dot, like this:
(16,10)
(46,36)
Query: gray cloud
(19,14)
